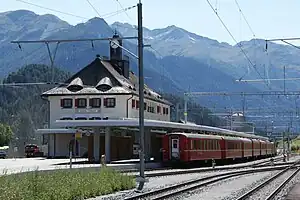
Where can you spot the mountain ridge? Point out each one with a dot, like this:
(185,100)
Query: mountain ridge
(182,61)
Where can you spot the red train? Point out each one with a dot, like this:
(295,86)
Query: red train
(189,147)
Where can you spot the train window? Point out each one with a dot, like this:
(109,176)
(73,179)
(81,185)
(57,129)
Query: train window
(199,144)
(191,144)
(204,144)
(195,144)
(175,144)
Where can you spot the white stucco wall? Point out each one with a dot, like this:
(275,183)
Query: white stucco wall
(56,112)
(119,111)
(134,113)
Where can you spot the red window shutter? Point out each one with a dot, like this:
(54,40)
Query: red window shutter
(61,103)
(133,103)
(105,101)
(76,103)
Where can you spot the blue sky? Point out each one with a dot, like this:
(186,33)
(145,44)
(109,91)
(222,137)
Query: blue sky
(268,18)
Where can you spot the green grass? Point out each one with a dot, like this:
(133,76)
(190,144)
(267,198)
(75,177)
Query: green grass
(63,185)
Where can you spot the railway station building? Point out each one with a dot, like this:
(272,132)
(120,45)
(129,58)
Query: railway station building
(106,89)
(96,112)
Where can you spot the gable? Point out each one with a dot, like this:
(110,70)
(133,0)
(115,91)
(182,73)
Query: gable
(93,73)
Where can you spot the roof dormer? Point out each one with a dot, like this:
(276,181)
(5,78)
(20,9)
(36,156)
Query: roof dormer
(104,84)
(75,85)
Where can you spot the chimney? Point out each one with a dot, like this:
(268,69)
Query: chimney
(125,67)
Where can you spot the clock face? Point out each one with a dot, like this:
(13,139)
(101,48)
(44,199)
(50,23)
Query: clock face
(114,44)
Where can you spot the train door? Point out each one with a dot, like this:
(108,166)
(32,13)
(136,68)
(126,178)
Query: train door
(174,150)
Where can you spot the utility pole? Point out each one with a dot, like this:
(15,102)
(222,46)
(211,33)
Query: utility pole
(283,146)
(288,145)
(231,118)
(185,108)
(177,112)
(284,79)
(141,96)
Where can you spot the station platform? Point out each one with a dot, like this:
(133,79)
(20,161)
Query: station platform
(19,165)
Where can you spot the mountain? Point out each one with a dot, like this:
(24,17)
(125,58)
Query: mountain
(184,61)
(175,41)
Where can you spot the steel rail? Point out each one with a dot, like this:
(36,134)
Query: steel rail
(197,183)
(281,186)
(156,173)
(263,184)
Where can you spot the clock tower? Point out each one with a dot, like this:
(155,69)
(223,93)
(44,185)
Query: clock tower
(115,49)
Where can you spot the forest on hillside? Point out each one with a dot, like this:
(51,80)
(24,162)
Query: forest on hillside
(23,109)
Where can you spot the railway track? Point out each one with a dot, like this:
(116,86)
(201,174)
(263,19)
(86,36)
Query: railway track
(170,172)
(177,189)
(256,189)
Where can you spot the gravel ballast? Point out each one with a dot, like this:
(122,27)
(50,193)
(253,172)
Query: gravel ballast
(225,189)
(287,188)
(270,187)
(159,182)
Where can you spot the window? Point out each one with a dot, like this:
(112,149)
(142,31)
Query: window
(95,118)
(80,118)
(158,109)
(133,103)
(110,102)
(66,103)
(66,118)
(95,103)
(80,103)
(164,110)
(145,106)
(167,111)
(195,144)
(175,144)
(137,104)
(151,109)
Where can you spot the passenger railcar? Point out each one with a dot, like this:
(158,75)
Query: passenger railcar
(263,148)
(247,148)
(233,148)
(190,147)
(255,148)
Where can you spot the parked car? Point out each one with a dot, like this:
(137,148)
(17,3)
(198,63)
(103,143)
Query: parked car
(3,154)
(32,150)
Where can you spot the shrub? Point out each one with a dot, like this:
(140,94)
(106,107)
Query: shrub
(63,185)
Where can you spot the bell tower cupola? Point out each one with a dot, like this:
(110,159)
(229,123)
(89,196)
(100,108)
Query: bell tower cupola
(115,49)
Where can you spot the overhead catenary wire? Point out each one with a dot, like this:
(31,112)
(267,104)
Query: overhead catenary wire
(54,10)
(124,10)
(238,44)
(94,8)
(244,17)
